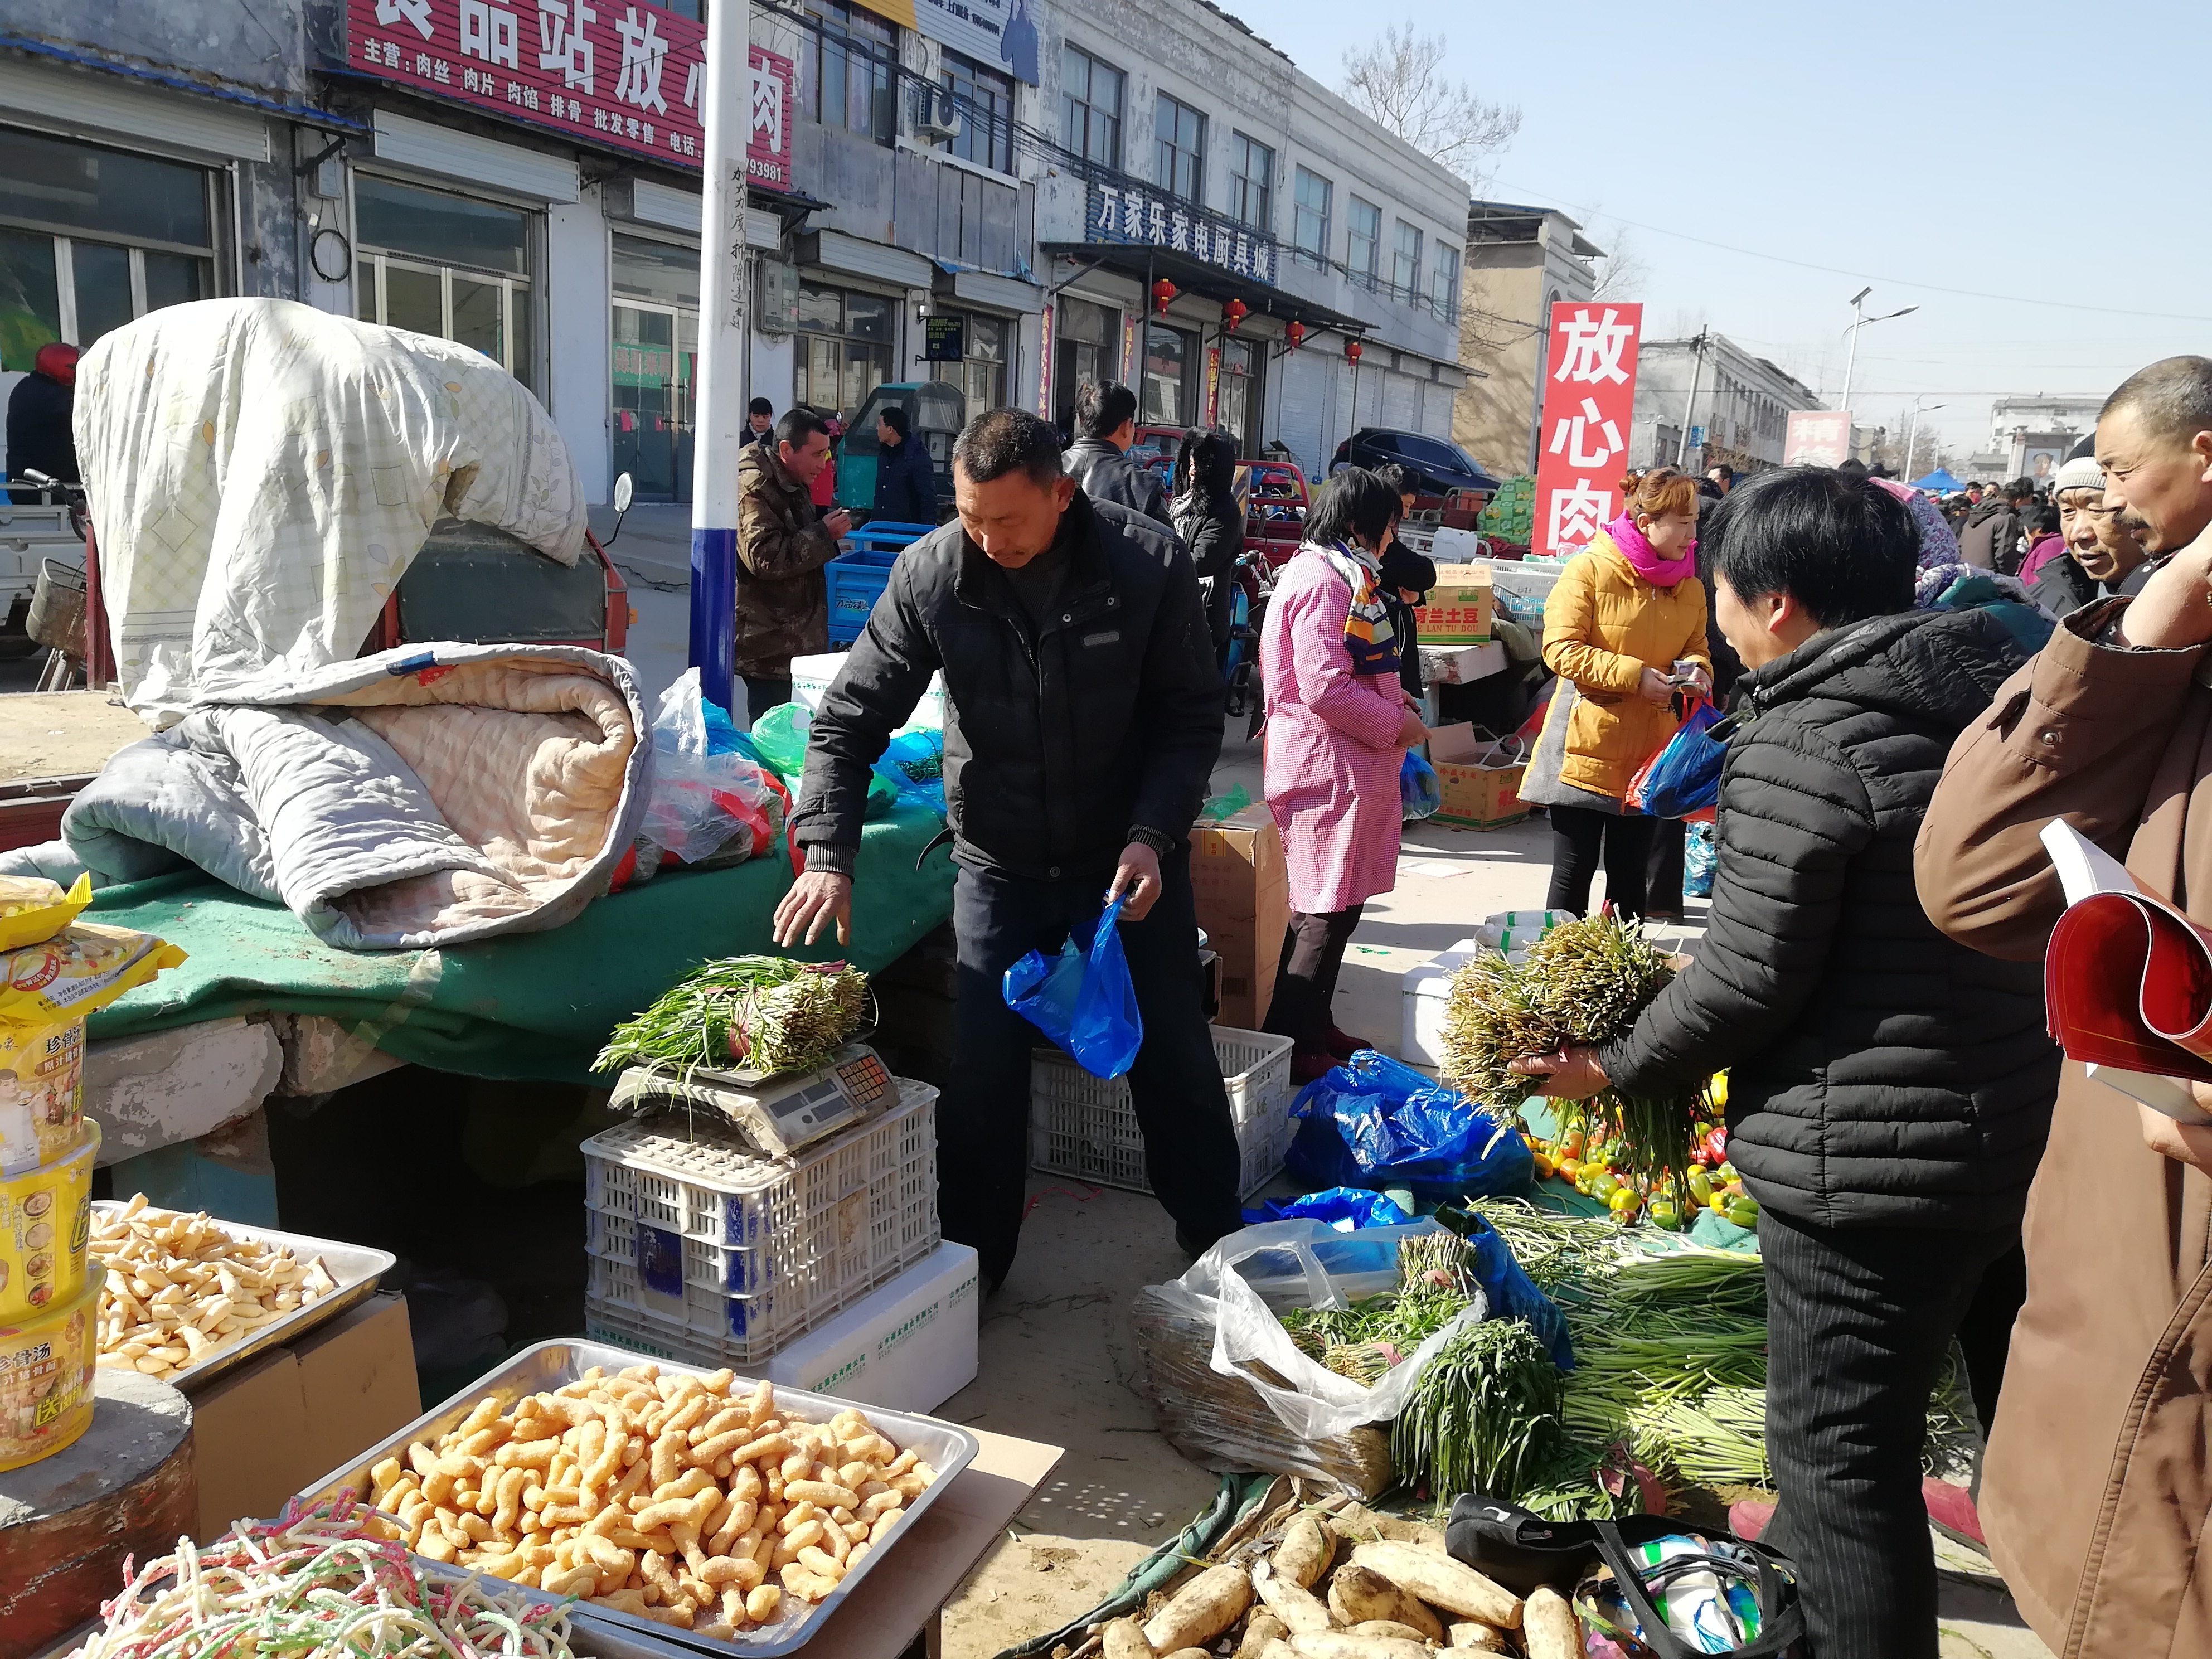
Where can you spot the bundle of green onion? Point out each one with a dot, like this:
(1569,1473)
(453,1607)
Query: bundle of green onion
(1582,983)
(1483,1415)
(765,1014)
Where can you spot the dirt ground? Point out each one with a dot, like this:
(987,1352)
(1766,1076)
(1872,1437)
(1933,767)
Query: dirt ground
(58,734)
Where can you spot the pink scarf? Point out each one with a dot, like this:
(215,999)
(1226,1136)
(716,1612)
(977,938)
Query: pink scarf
(1659,573)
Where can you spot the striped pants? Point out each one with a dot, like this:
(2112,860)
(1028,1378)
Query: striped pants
(1859,1320)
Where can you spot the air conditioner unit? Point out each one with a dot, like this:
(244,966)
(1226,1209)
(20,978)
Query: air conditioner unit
(936,115)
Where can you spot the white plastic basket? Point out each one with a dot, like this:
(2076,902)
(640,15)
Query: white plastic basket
(727,1254)
(1087,1127)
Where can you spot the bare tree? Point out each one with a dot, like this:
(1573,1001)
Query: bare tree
(1624,272)
(1398,82)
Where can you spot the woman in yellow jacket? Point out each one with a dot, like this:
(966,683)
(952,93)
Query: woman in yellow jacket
(1626,612)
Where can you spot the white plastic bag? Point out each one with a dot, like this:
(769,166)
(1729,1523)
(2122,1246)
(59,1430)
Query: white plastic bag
(701,800)
(1304,1262)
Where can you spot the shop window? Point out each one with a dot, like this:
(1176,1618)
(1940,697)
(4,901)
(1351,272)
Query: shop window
(1165,399)
(849,68)
(981,375)
(1087,348)
(1363,247)
(1443,282)
(1180,164)
(1238,410)
(843,349)
(91,238)
(1310,216)
(1251,183)
(655,362)
(1091,107)
(446,266)
(984,101)
(1406,261)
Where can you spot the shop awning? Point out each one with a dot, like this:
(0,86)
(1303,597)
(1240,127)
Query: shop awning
(1193,276)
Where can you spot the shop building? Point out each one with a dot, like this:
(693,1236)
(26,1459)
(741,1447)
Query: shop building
(1703,402)
(1520,262)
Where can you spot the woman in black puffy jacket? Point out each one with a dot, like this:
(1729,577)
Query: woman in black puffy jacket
(1206,516)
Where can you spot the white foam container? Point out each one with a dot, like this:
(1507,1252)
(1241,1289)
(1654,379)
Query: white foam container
(909,1346)
(1423,991)
(810,678)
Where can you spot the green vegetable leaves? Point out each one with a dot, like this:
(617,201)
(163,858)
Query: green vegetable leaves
(744,1013)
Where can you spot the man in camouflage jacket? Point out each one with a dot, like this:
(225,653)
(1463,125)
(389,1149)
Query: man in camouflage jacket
(783,599)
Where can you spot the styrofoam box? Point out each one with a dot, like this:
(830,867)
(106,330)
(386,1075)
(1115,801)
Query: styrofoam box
(810,678)
(1453,546)
(1423,991)
(1461,665)
(909,1347)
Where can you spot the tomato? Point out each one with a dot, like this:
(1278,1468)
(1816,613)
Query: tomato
(1544,1166)
(1701,1186)
(1665,1214)
(1572,1143)
(1568,1168)
(1742,1212)
(1625,1203)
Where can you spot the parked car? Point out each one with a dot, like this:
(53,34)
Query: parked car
(1442,466)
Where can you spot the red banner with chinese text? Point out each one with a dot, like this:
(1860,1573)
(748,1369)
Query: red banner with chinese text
(1589,399)
(630,76)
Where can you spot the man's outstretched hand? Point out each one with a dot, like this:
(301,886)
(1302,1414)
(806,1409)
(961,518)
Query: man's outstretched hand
(815,900)
(1140,877)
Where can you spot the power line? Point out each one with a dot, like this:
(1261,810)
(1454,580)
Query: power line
(1867,276)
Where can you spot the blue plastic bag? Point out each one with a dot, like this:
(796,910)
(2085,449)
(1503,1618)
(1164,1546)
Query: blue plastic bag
(1418,795)
(1698,857)
(1512,1294)
(914,764)
(1346,1209)
(1084,1000)
(1685,776)
(1373,1123)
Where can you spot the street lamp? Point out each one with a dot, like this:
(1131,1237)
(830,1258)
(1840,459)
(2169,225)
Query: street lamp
(1859,321)
(1911,429)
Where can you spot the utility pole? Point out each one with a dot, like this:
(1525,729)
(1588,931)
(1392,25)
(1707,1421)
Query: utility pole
(724,329)
(1912,431)
(1859,321)
(1690,409)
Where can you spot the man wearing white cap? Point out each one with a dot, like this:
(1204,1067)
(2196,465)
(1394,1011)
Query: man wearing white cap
(2105,557)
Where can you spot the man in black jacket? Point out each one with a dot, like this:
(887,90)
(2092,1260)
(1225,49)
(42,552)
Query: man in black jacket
(1083,720)
(1889,1091)
(1990,537)
(906,479)
(1098,460)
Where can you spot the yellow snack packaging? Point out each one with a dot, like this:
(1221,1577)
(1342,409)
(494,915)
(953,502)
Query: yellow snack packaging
(45,1228)
(41,1092)
(47,1372)
(34,909)
(80,971)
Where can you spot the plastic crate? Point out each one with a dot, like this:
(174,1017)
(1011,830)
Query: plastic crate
(856,580)
(1087,1127)
(731,1255)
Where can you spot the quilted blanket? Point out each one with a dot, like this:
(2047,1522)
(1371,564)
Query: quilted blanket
(420,797)
(262,473)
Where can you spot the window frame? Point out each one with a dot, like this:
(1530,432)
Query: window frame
(1094,116)
(999,142)
(835,32)
(1242,186)
(520,292)
(1169,155)
(1410,289)
(1368,274)
(1317,250)
(1445,277)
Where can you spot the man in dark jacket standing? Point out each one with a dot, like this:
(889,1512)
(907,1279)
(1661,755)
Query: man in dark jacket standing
(1990,537)
(1083,720)
(906,479)
(2103,555)
(1098,460)
(41,412)
(783,599)
(1890,1091)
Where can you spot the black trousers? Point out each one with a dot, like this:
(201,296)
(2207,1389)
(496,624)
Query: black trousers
(1582,836)
(1305,982)
(762,694)
(1663,887)
(1859,1320)
(982,1121)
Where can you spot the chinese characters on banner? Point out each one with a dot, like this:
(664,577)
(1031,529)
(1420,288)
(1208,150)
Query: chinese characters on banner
(1135,213)
(1590,394)
(1817,437)
(628,75)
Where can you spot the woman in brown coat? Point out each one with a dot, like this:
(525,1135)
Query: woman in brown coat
(2097,1487)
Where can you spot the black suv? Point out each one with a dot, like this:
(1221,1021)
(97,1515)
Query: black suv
(1442,466)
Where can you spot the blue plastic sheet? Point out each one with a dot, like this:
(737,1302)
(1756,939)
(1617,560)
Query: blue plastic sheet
(1512,1294)
(1418,794)
(1346,1209)
(1373,1123)
(1084,1000)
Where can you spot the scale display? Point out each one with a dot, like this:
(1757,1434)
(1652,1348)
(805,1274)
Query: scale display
(778,1114)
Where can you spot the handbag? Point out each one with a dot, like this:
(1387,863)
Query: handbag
(1524,1552)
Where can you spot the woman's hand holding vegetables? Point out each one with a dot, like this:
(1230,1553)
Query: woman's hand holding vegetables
(1655,687)
(1570,1074)
(815,899)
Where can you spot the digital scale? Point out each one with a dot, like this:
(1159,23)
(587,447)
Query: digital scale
(778,1114)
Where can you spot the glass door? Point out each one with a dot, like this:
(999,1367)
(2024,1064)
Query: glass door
(650,402)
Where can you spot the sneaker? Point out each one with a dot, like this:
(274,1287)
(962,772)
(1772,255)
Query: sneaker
(1308,1067)
(1344,1047)
(1951,1511)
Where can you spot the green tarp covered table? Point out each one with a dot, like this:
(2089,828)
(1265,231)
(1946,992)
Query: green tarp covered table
(530,1006)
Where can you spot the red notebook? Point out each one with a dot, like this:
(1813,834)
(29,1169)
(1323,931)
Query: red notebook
(2127,980)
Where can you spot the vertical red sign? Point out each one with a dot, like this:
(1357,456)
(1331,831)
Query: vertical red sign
(1590,396)
(630,76)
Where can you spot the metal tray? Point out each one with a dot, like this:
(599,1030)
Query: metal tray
(356,1270)
(946,1447)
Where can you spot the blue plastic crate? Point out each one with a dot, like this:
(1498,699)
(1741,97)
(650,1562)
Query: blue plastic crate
(887,536)
(856,580)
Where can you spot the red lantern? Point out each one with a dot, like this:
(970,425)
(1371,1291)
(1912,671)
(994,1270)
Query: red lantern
(1296,334)
(1162,291)
(1233,314)
(1351,349)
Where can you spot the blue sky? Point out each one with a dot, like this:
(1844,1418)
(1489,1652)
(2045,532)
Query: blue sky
(2037,151)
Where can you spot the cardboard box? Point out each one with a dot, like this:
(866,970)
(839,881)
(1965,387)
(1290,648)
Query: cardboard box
(1460,608)
(1479,777)
(278,1425)
(909,1345)
(1243,891)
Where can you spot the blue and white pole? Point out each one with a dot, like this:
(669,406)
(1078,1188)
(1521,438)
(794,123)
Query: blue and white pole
(723,388)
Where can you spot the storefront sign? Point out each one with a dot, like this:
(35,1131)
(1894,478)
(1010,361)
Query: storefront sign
(1817,437)
(1128,348)
(1212,385)
(996,33)
(1044,362)
(631,75)
(945,339)
(1590,396)
(1130,212)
